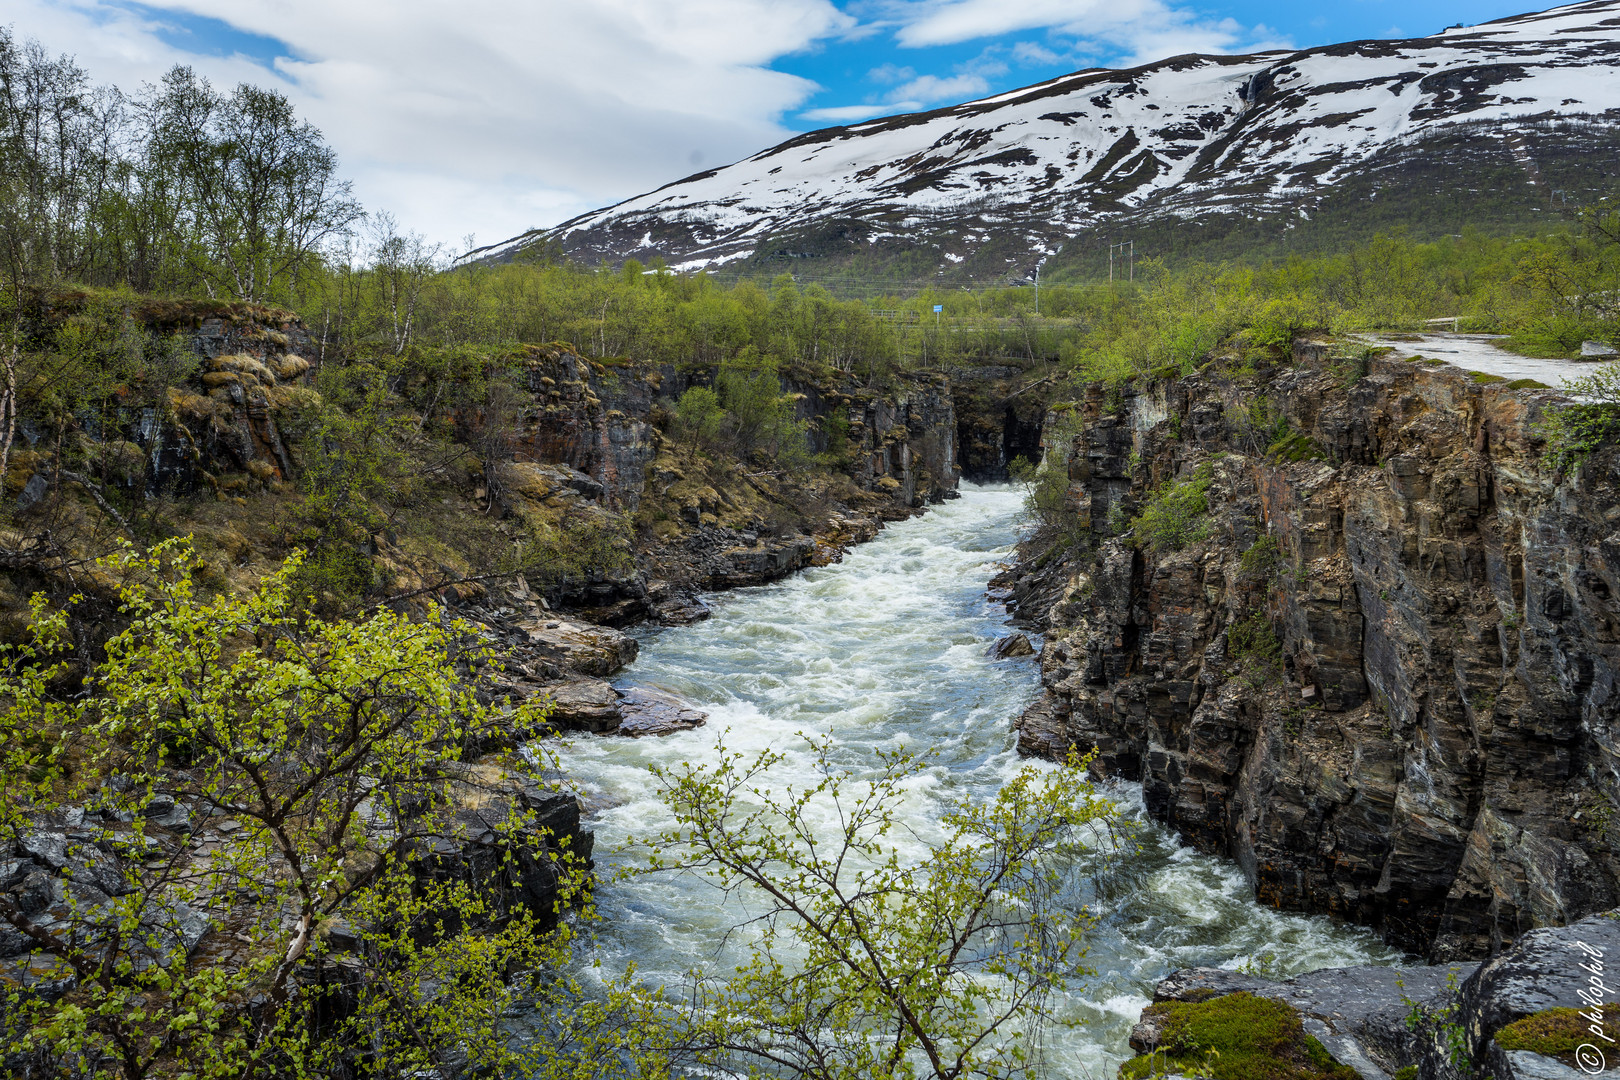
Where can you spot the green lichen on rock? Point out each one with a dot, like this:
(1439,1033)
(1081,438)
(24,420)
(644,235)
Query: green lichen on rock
(1484,378)
(1235,1037)
(1556,1033)
(1528,384)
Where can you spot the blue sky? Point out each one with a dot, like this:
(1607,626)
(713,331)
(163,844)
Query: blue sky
(487,117)
(882,66)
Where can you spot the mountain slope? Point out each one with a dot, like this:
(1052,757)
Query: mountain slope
(1192,138)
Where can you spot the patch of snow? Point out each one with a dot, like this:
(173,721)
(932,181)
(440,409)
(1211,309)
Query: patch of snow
(1479,352)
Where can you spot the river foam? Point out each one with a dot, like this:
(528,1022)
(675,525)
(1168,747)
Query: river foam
(887,650)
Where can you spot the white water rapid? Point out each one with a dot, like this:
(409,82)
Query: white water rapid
(887,649)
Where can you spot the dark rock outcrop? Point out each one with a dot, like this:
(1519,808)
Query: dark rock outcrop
(1380,675)
(1442,1020)
(1359,1014)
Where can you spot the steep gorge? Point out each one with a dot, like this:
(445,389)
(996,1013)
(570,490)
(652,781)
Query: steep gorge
(1380,675)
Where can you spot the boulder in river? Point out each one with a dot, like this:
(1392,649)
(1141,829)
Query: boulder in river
(681,611)
(1012,645)
(653,712)
(596,706)
(584,705)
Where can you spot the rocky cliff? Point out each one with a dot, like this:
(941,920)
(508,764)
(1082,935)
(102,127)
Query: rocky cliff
(574,451)
(1373,662)
(717,524)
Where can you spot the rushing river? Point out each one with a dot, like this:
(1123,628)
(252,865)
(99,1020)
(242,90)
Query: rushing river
(887,650)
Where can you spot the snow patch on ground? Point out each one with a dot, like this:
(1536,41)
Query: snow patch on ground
(1479,352)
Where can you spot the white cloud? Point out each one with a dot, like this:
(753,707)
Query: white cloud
(953,88)
(1029,52)
(1137,31)
(889,73)
(851,114)
(489,116)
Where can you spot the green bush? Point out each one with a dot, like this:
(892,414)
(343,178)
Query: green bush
(1175,515)
(1253,643)
(1574,431)
(1236,1037)
(1263,558)
(1296,446)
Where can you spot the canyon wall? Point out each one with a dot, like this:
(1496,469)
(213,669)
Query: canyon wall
(1379,672)
(566,442)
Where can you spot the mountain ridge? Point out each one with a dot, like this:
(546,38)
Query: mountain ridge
(1194,137)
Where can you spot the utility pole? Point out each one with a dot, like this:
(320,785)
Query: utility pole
(1121,246)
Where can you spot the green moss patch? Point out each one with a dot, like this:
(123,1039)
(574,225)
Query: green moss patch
(1236,1037)
(1558,1032)
(1528,384)
(1485,378)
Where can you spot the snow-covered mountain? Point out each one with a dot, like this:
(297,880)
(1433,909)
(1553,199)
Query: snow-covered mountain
(1188,137)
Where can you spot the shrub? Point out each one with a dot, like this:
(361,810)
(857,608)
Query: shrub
(1263,558)
(1254,644)
(1296,446)
(1573,431)
(1174,516)
(1257,426)
(698,415)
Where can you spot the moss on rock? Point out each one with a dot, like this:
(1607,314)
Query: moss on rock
(1555,1033)
(1235,1037)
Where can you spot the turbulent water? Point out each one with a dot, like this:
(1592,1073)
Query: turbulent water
(887,650)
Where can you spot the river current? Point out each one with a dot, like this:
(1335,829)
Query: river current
(888,650)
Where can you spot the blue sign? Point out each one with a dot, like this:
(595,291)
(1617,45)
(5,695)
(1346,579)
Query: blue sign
(938,308)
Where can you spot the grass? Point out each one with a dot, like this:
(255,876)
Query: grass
(1235,1037)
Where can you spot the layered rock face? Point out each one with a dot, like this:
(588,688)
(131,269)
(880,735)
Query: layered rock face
(1000,410)
(592,417)
(1380,676)
(220,428)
